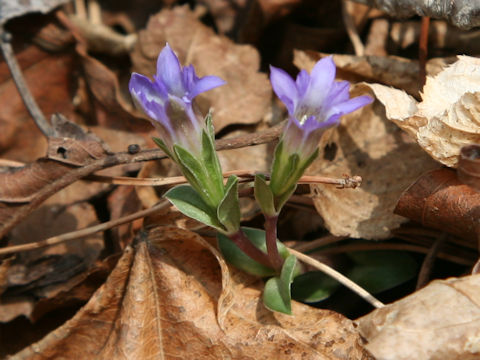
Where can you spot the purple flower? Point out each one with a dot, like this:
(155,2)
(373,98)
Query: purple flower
(168,100)
(315,102)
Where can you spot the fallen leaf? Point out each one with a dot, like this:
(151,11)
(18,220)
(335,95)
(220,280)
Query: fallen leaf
(448,118)
(440,321)
(44,273)
(21,186)
(20,139)
(368,145)
(439,200)
(185,303)
(245,99)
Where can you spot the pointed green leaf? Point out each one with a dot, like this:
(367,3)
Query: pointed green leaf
(264,196)
(228,211)
(163,146)
(313,286)
(240,260)
(276,295)
(212,167)
(380,270)
(189,203)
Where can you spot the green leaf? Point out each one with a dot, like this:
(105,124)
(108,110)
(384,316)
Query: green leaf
(212,167)
(377,271)
(228,211)
(313,286)
(276,295)
(209,126)
(189,203)
(240,260)
(264,196)
(163,146)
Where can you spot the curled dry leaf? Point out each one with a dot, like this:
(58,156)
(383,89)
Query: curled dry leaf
(245,98)
(366,144)
(440,201)
(172,297)
(440,321)
(448,117)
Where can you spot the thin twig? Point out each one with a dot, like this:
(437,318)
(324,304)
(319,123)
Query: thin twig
(244,175)
(423,50)
(427,265)
(19,80)
(352,30)
(84,232)
(339,277)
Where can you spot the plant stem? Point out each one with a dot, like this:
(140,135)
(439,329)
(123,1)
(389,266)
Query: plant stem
(271,240)
(242,241)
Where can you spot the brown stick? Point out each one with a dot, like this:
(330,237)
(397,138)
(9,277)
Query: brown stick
(423,50)
(74,235)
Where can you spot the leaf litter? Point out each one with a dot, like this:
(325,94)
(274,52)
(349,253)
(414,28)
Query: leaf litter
(166,291)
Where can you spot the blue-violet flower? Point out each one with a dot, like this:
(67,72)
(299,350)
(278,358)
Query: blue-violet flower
(314,102)
(168,100)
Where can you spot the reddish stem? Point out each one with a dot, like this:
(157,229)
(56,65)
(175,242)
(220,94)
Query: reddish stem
(242,241)
(271,239)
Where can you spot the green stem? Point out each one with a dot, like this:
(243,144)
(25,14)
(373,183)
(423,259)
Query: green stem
(242,241)
(271,240)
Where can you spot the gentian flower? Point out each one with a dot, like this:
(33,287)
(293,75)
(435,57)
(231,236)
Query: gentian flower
(168,101)
(315,102)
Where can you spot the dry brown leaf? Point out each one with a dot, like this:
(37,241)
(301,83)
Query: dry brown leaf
(164,300)
(19,186)
(20,139)
(439,200)
(246,97)
(366,144)
(448,117)
(45,273)
(438,322)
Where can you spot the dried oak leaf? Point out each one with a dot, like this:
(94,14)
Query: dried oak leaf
(21,187)
(368,145)
(439,200)
(20,139)
(172,298)
(440,321)
(245,99)
(448,117)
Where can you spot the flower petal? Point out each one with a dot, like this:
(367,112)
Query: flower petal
(339,92)
(140,84)
(303,78)
(354,104)
(321,80)
(348,106)
(169,71)
(204,84)
(284,87)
